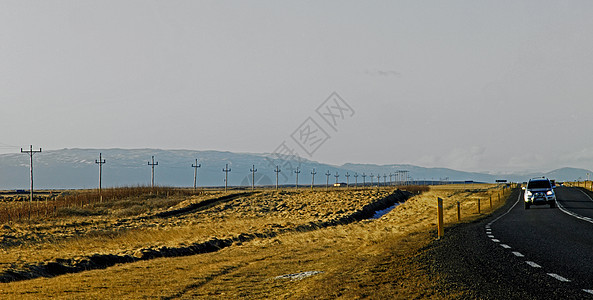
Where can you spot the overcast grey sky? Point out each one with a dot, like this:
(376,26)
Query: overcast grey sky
(493,86)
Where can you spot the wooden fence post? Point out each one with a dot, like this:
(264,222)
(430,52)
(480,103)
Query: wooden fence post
(441,228)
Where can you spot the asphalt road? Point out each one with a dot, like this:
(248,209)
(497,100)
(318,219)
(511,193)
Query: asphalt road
(540,253)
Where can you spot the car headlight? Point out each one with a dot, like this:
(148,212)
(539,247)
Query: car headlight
(528,193)
(550,193)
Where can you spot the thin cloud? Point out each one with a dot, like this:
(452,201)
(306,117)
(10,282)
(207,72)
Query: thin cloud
(383,73)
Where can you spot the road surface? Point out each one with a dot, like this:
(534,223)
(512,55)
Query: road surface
(540,253)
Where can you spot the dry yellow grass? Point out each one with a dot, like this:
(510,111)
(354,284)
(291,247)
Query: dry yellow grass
(367,259)
(264,211)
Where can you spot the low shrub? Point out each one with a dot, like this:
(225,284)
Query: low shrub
(77,212)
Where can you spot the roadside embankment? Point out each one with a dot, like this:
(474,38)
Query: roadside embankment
(65,265)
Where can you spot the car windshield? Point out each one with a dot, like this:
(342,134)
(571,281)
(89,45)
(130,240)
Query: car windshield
(539,184)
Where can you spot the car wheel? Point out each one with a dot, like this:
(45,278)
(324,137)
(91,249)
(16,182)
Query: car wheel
(526,205)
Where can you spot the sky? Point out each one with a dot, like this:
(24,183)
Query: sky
(488,86)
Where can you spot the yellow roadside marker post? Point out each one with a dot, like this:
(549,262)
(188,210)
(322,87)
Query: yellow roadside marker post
(441,227)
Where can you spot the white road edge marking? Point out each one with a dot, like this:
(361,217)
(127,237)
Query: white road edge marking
(558,277)
(506,213)
(588,291)
(570,213)
(518,254)
(505,246)
(532,264)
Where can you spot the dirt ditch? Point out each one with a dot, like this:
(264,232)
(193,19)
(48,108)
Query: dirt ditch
(57,267)
(201,206)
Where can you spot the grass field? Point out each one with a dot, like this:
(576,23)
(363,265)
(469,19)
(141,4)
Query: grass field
(284,233)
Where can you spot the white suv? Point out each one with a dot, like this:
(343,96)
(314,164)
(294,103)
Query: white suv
(539,191)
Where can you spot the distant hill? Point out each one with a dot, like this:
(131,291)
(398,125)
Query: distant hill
(76,168)
(566,174)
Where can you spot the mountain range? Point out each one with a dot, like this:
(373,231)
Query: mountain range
(77,168)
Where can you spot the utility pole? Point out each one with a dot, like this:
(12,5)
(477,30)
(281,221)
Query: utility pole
(277,170)
(100,162)
(253,170)
(196,166)
(31,152)
(337,175)
(364,182)
(297,177)
(226,171)
(384,179)
(347,179)
(327,181)
(372,179)
(355,180)
(313,180)
(152,174)
(390,176)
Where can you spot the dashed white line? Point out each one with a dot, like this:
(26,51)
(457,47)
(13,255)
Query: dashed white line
(558,277)
(518,254)
(532,264)
(588,291)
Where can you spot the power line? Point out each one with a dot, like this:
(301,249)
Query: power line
(7,146)
(226,171)
(100,162)
(196,166)
(253,170)
(297,172)
(347,179)
(31,152)
(277,170)
(152,174)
